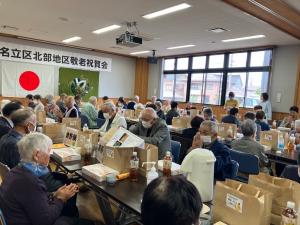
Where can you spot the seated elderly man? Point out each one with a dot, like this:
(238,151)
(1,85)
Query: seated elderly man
(248,144)
(5,120)
(171,201)
(290,119)
(112,118)
(89,110)
(207,138)
(153,130)
(208,114)
(71,109)
(24,121)
(23,195)
(52,110)
(173,112)
(159,112)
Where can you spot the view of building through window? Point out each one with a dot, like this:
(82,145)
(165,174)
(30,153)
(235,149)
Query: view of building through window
(202,80)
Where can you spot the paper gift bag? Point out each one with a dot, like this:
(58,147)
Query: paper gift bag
(269,138)
(83,137)
(129,113)
(147,154)
(283,190)
(41,117)
(238,203)
(71,137)
(118,158)
(193,113)
(72,122)
(224,128)
(56,131)
(181,122)
(137,113)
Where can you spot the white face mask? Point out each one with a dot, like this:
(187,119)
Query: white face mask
(146,124)
(106,116)
(206,139)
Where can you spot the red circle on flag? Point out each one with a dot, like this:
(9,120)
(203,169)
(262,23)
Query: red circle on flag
(29,80)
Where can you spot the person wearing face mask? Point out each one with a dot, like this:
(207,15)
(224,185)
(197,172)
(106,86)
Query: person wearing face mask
(24,198)
(248,144)
(24,121)
(207,138)
(112,118)
(153,130)
(39,106)
(71,112)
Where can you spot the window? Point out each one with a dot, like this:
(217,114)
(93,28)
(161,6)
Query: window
(199,62)
(182,63)
(169,64)
(260,58)
(208,79)
(237,60)
(175,87)
(216,61)
(213,88)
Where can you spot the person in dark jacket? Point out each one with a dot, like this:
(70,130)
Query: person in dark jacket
(77,104)
(173,112)
(121,103)
(23,195)
(260,115)
(195,125)
(231,117)
(207,138)
(71,112)
(159,112)
(29,98)
(5,121)
(24,121)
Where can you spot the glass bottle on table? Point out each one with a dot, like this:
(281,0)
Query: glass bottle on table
(291,143)
(134,165)
(88,151)
(167,164)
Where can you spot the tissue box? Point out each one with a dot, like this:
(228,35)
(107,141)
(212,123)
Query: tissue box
(67,154)
(98,171)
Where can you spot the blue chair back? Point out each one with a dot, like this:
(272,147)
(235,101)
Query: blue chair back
(2,220)
(100,122)
(84,120)
(234,169)
(248,163)
(175,150)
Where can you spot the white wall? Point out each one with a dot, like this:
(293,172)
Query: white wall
(118,82)
(283,80)
(284,75)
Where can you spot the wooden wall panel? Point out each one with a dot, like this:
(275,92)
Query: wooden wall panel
(141,78)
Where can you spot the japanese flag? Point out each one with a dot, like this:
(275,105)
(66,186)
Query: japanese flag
(20,79)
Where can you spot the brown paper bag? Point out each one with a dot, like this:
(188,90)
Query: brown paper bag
(224,127)
(72,122)
(236,203)
(129,113)
(56,131)
(283,190)
(137,113)
(148,154)
(193,113)
(269,138)
(41,117)
(181,122)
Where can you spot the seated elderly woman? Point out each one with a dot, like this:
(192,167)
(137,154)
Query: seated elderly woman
(71,110)
(23,196)
(52,110)
(171,201)
(248,144)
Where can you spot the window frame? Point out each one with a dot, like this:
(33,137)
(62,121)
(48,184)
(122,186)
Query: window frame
(225,70)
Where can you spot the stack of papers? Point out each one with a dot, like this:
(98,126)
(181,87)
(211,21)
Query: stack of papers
(126,139)
(67,154)
(98,171)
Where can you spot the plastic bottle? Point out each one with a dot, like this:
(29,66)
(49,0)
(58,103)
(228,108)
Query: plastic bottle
(167,164)
(289,215)
(291,143)
(134,165)
(280,141)
(274,124)
(88,152)
(152,174)
(230,133)
(85,128)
